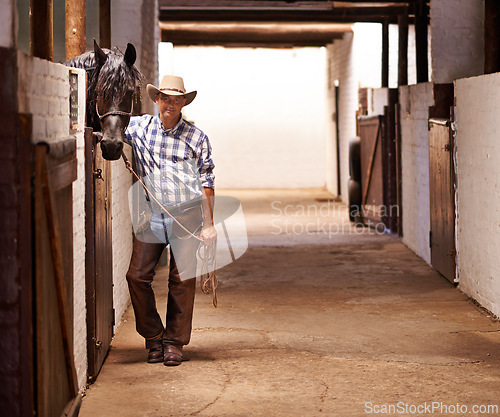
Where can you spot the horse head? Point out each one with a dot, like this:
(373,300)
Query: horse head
(113,84)
(116,88)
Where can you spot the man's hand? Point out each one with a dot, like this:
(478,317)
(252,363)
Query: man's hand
(208,234)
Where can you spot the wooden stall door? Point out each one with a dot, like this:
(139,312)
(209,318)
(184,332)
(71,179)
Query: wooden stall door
(56,382)
(99,262)
(370,132)
(379,167)
(442,197)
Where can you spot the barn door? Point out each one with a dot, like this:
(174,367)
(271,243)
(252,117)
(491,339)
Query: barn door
(442,197)
(99,263)
(370,133)
(56,382)
(379,167)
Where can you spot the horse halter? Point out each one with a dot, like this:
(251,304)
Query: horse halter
(113,112)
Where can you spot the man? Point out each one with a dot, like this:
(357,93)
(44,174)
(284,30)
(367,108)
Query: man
(173,159)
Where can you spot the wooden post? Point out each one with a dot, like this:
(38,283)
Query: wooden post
(41,29)
(385,53)
(76,38)
(421,41)
(105,23)
(403,49)
(491,36)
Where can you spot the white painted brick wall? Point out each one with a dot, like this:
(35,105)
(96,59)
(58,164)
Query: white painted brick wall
(343,67)
(135,22)
(415,101)
(457,39)
(478,177)
(79,303)
(44,92)
(121,181)
(330,130)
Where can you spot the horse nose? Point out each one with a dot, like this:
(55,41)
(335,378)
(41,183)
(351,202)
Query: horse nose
(111,150)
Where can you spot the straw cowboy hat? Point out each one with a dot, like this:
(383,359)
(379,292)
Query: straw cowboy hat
(173,86)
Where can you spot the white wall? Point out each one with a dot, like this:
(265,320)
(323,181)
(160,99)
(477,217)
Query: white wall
(121,181)
(136,21)
(79,301)
(343,68)
(263,110)
(457,39)
(43,91)
(415,101)
(331,127)
(7,28)
(478,176)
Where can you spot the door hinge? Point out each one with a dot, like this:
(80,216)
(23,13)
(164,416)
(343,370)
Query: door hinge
(430,238)
(447,147)
(113,318)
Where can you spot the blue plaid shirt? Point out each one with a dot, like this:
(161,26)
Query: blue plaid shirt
(174,164)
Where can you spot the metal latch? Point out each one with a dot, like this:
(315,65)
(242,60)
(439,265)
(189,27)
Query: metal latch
(98,174)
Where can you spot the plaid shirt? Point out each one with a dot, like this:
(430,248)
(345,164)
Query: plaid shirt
(174,164)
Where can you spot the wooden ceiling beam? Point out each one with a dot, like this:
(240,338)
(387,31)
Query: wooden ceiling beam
(270,35)
(344,15)
(273,4)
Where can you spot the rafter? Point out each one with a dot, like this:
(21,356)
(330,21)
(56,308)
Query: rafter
(264,34)
(344,15)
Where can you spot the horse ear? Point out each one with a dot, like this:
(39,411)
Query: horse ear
(130,55)
(99,54)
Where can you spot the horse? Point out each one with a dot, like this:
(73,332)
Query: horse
(113,83)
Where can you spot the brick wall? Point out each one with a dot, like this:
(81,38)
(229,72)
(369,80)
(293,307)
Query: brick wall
(478,202)
(415,101)
(457,39)
(43,91)
(79,305)
(148,63)
(343,69)
(121,181)
(135,22)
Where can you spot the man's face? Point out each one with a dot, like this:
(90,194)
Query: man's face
(170,106)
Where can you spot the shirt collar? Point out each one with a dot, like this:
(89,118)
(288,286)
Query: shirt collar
(173,129)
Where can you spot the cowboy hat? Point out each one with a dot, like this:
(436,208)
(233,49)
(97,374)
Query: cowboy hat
(173,86)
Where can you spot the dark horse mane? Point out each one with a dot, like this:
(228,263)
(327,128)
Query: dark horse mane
(109,77)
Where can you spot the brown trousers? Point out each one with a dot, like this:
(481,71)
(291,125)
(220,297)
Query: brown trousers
(180,302)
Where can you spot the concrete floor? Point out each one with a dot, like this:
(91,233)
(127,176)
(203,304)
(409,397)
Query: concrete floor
(313,323)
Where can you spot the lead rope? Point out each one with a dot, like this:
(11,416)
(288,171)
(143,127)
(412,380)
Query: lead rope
(208,278)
